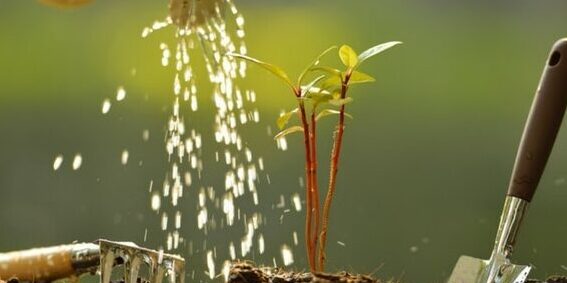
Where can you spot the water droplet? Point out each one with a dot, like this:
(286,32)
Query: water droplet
(156,202)
(77,162)
(57,162)
(124,157)
(296,202)
(146,135)
(106,106)
(261,244)
(287,255)
(120,94)
(211,265)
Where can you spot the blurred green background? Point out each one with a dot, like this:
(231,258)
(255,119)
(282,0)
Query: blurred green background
(426,161)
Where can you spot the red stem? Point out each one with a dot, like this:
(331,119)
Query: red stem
(314,181)
(334,168)
(311,250)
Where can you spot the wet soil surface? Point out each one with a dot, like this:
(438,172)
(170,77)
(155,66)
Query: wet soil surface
(244,272)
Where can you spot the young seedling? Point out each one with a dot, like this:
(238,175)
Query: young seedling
(317,99)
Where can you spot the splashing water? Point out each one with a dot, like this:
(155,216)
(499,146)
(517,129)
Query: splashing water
(220,207)
(120,94)
(57,162)
(77,162)
(106,104)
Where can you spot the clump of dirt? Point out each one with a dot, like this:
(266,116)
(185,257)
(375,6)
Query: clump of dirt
(551,279)
(244,272)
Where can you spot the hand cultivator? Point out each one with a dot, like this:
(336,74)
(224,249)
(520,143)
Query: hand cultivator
(52,263)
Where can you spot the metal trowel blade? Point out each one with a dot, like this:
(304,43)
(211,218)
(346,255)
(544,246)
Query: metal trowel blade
(474,270)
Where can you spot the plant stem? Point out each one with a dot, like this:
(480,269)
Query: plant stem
(311,250)
(334,168)
(314,181)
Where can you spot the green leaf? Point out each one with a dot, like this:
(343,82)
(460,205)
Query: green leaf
(288,131)
(277,71)
(316,91)
(307,88)
(357,77)
(313,64)
(327,112)
(320,97)
(348,56)
(340,101)
(284,118)
(331,83)
(330,71)
(376,50)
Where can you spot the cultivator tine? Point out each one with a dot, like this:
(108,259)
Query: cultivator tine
(133,258)
(158,274)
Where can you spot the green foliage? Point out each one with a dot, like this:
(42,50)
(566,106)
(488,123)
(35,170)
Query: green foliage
(324,89)
(320,97)
(329,88)
(376,50)
(313,64)
(288,131)
(348,56)
(307,88)
(328,70)
(328,112)
(340,101)
(277,71)
(332,83)
(357,77)
(284,118)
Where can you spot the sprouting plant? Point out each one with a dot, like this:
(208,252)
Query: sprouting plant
(316,99)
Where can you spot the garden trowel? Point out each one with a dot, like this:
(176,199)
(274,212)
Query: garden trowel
(53,263)
(544,120)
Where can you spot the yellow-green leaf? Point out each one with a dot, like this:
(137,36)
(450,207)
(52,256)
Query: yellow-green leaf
(341,101)
(288,131)
(327,112)
(376,50)
(284,118)
(319,98)
(330,71)
(277,71)
(348,56)
(331,83)
(313,64)
(307,88)
(316,91)
(357,77)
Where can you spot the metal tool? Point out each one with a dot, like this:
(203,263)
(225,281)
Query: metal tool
(544,121)
(52,263)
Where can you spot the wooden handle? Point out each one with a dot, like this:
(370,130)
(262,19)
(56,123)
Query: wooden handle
(42,264)
(542,125)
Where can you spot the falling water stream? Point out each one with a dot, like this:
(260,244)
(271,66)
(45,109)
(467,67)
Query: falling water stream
(223,208)
(218,209)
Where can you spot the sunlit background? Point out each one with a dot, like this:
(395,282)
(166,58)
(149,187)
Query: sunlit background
(426,159)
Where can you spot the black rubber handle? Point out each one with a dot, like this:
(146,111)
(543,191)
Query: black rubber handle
(542,125)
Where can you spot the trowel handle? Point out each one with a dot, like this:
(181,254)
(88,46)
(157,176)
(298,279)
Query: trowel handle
(544,121)
(48,264)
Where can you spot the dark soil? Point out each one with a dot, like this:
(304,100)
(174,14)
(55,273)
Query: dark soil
(552,279)
(243,272)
